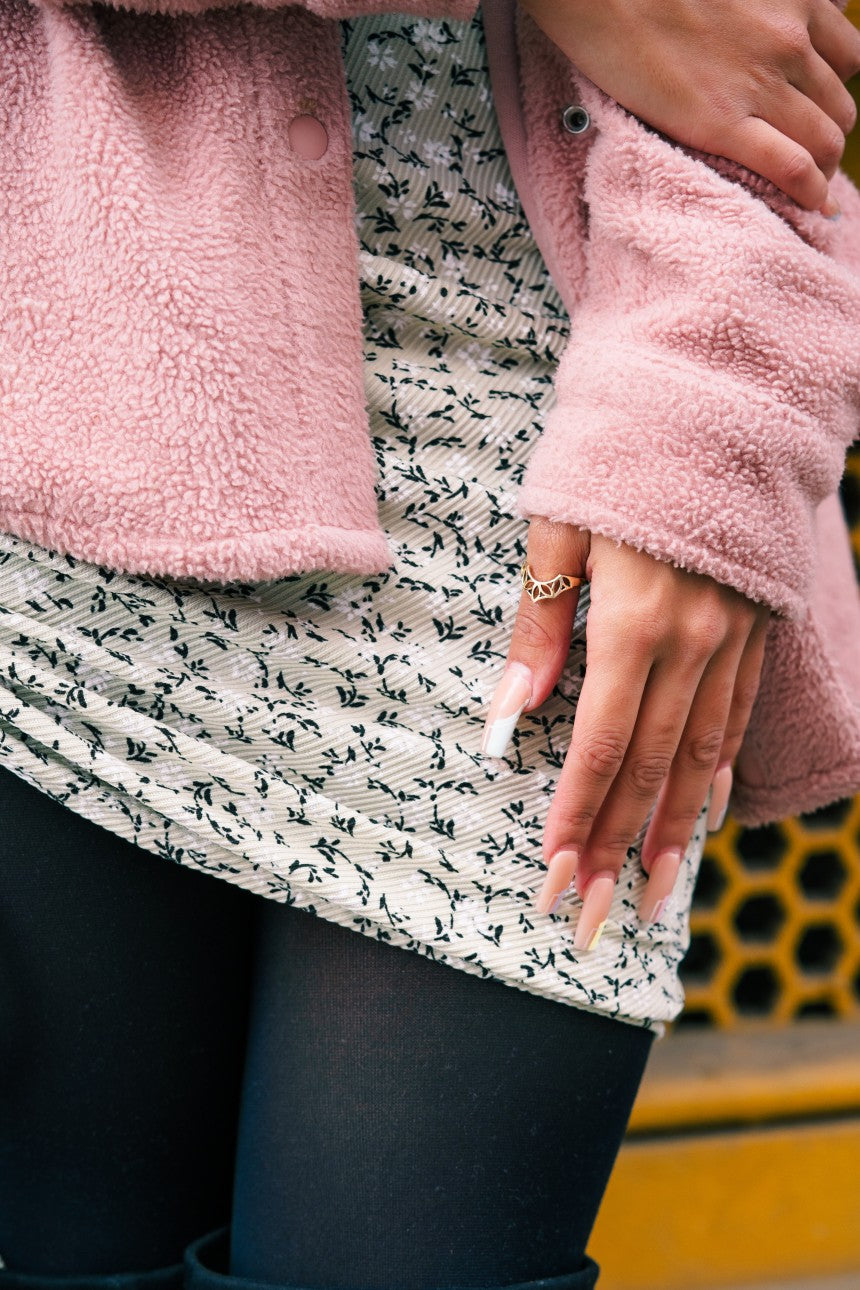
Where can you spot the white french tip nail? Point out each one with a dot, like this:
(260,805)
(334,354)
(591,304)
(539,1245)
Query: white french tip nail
(499,733)
(510,697)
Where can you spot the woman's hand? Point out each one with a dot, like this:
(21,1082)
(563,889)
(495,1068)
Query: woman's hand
(673,662)
(757,81)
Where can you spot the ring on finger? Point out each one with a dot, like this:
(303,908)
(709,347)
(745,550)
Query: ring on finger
(547,588)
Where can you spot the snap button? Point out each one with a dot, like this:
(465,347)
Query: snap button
(575,119)
(308,137)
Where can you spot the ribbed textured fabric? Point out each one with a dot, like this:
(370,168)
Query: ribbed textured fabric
(316,738)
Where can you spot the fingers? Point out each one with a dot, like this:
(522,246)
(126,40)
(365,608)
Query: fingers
(674,664)
(655,747)
(679,801)
(747,684)
(820,84)
(661,717)
(798,142)
(786,163)
(689,778)
(540,641)
(746,688)
(835,38)
(712,737)
(679,736)
(606,715)
(805,123)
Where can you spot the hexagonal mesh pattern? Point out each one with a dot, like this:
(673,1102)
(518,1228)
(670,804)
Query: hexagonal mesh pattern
(775,923)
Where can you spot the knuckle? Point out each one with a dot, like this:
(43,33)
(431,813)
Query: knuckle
(724,105)
(610,844)
(734,642)
(531,633)
(737,634)
(850,51)
(703,749)
(704,635)
(678,825)
(745,693)
(793,40)
(849,114)
(832,148)
(606,623)
(602,754)
(643,633)
(714,126)
(648,771)
(577,822)
(796,168)
(733,738)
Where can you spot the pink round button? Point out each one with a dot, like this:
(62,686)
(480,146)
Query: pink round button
(308,137)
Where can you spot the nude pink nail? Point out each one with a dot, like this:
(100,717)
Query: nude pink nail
(511,696)
(657,911)
(595,907)
(720,791)
(661,882)
(558,882)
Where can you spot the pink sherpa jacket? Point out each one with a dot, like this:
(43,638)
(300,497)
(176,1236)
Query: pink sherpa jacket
(181,341)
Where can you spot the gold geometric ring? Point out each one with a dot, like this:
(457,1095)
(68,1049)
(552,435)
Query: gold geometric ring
(549,588)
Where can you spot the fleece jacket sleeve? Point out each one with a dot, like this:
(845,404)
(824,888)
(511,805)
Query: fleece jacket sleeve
(710,386)
(336,9)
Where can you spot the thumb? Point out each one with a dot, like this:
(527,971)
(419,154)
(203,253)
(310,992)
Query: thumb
(540,641)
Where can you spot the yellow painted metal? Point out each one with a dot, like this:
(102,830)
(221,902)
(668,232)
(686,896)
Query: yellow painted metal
(731,1208)
(721,1077)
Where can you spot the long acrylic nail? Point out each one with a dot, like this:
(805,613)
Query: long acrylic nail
(720,791)
(511,696)
(558,881)
(661,881)
(595,907)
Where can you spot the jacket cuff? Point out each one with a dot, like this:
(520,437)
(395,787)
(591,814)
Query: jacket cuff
(334,9)
(682,463)
(710,386)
